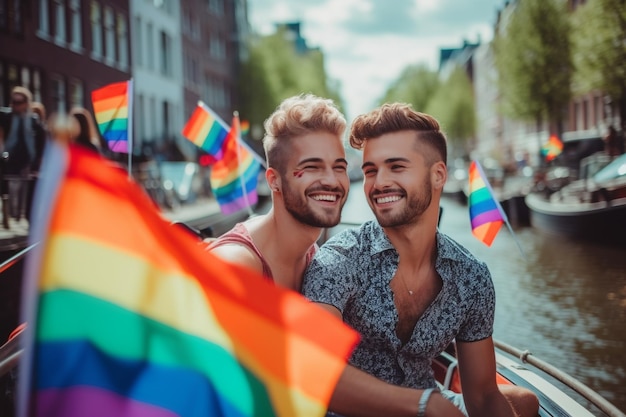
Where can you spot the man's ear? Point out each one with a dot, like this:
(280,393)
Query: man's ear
(439,174)
(273,179)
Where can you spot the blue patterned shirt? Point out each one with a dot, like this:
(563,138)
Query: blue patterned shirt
(352,271)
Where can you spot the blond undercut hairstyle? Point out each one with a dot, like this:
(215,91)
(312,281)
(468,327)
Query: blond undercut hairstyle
(294,117)
(395,117)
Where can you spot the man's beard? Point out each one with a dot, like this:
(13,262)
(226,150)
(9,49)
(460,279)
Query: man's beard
(414,208)
(301,209)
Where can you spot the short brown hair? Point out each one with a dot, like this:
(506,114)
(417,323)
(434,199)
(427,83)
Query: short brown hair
(396,117)
(297,116)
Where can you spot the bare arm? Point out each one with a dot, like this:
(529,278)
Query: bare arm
(477,366)
(359,394)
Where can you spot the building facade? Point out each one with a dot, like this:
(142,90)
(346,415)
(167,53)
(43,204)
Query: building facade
(63,49)
(213,44)
(157,73)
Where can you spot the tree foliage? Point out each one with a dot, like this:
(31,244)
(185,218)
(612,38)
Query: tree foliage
(452,104)
(416,85)
(600,50)
(533,59)
(274,71)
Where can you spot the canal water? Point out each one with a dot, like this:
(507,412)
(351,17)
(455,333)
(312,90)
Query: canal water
(562,300)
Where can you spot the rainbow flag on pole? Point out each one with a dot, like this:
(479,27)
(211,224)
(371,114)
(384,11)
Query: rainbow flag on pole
(552,148)
(206,130)
(234,177)
(129,317)
(112,105)
(486,215)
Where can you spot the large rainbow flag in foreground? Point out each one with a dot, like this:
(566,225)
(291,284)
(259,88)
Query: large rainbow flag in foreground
(486,215)
(552,148)
(129,316)
(206,130)
(234,176)
(112,106)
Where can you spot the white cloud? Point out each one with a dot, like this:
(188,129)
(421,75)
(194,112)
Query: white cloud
(367,43)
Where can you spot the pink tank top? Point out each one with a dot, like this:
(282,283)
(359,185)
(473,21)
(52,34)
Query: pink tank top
(240,235)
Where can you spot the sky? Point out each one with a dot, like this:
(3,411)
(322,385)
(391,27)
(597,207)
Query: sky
(367,43)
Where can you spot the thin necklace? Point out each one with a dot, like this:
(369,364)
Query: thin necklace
(405,286)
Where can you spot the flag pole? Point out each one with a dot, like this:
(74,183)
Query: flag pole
(130,127)
(241,175)
(501,210)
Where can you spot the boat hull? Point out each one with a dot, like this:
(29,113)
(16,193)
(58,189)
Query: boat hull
(595,222)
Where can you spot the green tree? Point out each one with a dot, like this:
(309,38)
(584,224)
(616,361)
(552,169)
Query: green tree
(274,71)
(599,46)
(534,63)
(416,85)
(453,106)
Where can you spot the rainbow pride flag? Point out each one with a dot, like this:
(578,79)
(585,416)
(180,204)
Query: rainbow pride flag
(486,215)
(130,317)
(552,148)
(112,106)
(206,130)
(234,177)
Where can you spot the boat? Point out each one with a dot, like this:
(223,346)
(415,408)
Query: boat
(559,393)
(571,399)
(591,207)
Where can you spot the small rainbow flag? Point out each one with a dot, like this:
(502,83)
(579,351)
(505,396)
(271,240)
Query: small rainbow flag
(486,215)
(552,148)
(245,127)
(206,130)
(130,317)
(234,177)
(112,106)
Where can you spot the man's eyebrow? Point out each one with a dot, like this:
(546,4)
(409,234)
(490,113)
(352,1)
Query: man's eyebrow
(318,160)
(387,162)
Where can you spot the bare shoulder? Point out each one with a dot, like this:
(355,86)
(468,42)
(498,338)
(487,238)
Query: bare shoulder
(238,254)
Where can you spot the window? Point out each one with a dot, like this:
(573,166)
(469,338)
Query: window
(59,19)
(2,103)
(109,35)
(166,54)
(77,25)
(138,48)
(76,93)
(11,16)
(122,40)
(141,121)
(217,49)
(36,86)
(25,77)
(166,119)
(150,46)
(217,7)
(57,88)
(153,113)
(96,30)
(44,23)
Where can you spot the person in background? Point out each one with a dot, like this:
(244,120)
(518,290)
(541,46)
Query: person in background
(613,144)
(408,289)
(87,135)
(307,175)
(23,141)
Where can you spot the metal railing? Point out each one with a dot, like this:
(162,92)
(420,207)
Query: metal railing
(592,396)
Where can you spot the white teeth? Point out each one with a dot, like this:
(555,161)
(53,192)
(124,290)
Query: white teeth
(388,199)
(325,197)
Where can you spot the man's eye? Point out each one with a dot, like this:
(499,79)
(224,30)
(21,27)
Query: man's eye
(341,168)
(369,172)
